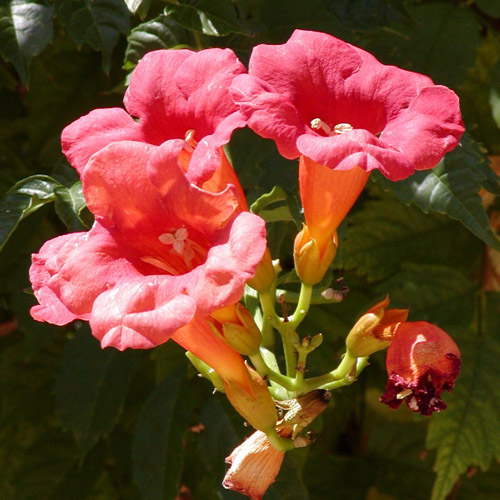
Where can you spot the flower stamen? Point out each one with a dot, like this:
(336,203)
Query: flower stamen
(342,128)
(404,393)
(319,125)
(190,142)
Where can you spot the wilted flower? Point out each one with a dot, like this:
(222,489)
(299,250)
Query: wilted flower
(254,465)
(422,361)
(334,103)
(162,254)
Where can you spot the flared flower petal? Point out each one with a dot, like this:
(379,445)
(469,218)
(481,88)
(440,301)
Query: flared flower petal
(422,361)
(172,94)
(336,104)
(161,253)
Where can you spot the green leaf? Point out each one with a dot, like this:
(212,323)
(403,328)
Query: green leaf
(157,450)
(91,388)
(98,23)
(134,5)
(489,7)
(452,188)
(52,470)
(385,233)
(23,199)
(208,17)
(468,432)
(159,33)
(363,14)
(434,293)
(25,30)
(276,206)
(69,203)
(429,44)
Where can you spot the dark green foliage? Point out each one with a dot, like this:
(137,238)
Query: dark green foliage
(80,423)
(25,30)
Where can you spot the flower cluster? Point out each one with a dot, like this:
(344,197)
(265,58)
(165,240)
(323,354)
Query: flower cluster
(173,244)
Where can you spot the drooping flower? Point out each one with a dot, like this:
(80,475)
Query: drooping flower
(254,465)
(162,254)
(173,94)
(422,361)
(335,104)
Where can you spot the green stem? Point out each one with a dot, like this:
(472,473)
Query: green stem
(278,442)
(197,39)
(332,380)
(302,306)
(265,371)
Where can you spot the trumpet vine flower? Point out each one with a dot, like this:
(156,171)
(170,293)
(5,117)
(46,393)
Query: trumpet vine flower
(334,103)
(173,94)
(162,254)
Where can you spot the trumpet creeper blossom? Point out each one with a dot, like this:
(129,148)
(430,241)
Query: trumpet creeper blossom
(334,103)
(162,254)
(422,361)
(173,94)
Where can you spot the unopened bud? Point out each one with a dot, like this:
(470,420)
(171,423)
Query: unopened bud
(312,262)
(375,330)
(239,329)
(265,274)
(258,411)
(207,372)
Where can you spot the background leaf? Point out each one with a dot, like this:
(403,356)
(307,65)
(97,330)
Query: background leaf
(452,188)
(69,204)
(25,30)
(98,23)
(208,17)
(91,388)
(468,433)
(157,450)
(23,199)
(161,32)
(384,234)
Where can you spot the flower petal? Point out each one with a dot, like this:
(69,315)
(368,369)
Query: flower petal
(197,338)
(432,119)
(231,261)
(140,313)
(72,270)
(94,131)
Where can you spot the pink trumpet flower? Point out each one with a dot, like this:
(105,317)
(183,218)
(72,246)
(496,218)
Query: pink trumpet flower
(162,254)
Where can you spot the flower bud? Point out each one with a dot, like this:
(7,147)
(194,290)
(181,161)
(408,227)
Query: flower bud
(259,411)
(375,329)
(263,278)
(312,262)
(239,329)
(254,465)
(422,361)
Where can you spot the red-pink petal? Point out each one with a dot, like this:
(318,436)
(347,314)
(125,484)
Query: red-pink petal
(70,271)
(358,148)
(94,131)
(231,261)
(140,313)
(401,121)
(205,211)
